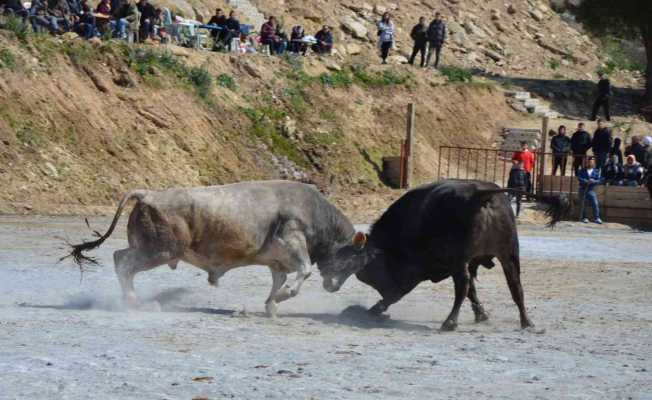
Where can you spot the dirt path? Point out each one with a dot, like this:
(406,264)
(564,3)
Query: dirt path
(60,338)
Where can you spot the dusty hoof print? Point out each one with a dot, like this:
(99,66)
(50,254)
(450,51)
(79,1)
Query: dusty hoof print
(535,330)
(448,326)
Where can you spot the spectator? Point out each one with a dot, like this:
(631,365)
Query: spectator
(616,151)
(603,98)
(385,36)
(613,172)
(636,149)
(126,16)
(104,7)
(561,147)
(517,180)
(219,20)
(147,18)
(324,43)
(15,8)
(436,38)
(580,144)
(116,6)
(632,172)
(282,37)
(268,37)
(419,35)
(296,44)
(233,28)
(648,163)
(647,145)
(86,22)
(602,143)
(589,177)
(60,10)
(40,17)
(526,158)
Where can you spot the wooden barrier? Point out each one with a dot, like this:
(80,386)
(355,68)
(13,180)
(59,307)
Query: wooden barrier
(621,204)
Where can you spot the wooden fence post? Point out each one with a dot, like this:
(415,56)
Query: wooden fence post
(409,146)
(542,152)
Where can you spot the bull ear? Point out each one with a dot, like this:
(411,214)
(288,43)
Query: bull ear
(359,239)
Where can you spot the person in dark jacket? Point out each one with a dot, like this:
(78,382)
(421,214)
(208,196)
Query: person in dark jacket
(602,143)
(613,172)
(324,43)
(580,144)
(636,149)
(232,28)
(297,45)
(419,35)
(40,18)
(269,37)
(603,98)
(589,177)
(517,180)
(616,151)
(436,38)
(219,20)
(15,8)
(147,17)
(561,148)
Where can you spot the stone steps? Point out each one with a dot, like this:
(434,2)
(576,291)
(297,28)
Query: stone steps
(534,106)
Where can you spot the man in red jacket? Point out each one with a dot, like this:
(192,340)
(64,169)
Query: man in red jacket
(526,157)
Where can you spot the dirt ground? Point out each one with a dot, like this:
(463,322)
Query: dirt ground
(588,287)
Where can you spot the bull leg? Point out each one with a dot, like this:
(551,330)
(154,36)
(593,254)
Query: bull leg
(129,262)
(278,279)
(479,311)
(215,274)
(462,281)
(512,270)
(296,259)
(389,299)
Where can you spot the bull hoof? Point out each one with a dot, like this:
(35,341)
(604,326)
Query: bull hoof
(481,317)
(448,326)
(270,309)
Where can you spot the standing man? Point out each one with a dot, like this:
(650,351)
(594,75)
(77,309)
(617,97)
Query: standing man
(526,159)
(561,147)
(589,178)
(436,38)
(602,143)
(419,35)
(385,36)
(580,144)
(604,97)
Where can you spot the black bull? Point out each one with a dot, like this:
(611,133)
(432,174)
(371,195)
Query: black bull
(441,230)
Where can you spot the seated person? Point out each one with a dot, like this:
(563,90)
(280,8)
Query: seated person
(296,41)
(232,28)
(40,17)
(268,36)
(127,14)
(632,172)
(147,18)
(60,9)
(613,172)
(15,8)
(219,35)
(324,43)
(589,177)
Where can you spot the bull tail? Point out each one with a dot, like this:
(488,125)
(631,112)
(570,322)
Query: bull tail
(556,206)
(78,250)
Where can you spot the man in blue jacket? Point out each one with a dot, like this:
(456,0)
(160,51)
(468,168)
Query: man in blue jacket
(589,178)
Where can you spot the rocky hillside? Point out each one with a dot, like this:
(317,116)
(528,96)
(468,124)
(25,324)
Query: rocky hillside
(81,123)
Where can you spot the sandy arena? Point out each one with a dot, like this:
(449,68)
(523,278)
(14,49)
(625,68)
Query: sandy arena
(588,287)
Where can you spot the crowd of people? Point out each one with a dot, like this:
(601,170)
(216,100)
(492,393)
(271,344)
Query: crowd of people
(607,165)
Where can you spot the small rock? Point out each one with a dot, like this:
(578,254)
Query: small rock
(357,29)
(511,9)
(536,15)
(353,49)
(380,10)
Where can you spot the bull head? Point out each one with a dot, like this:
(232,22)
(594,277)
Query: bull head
(345,259)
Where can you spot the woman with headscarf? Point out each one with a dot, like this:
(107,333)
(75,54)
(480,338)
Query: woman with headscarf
(385,36)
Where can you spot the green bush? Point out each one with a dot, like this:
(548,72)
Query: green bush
(620,58)
(18,27)
(147,62)
(336,79)
(7,59)
(375,79)
(554,64)
(227,81)
(456,74)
